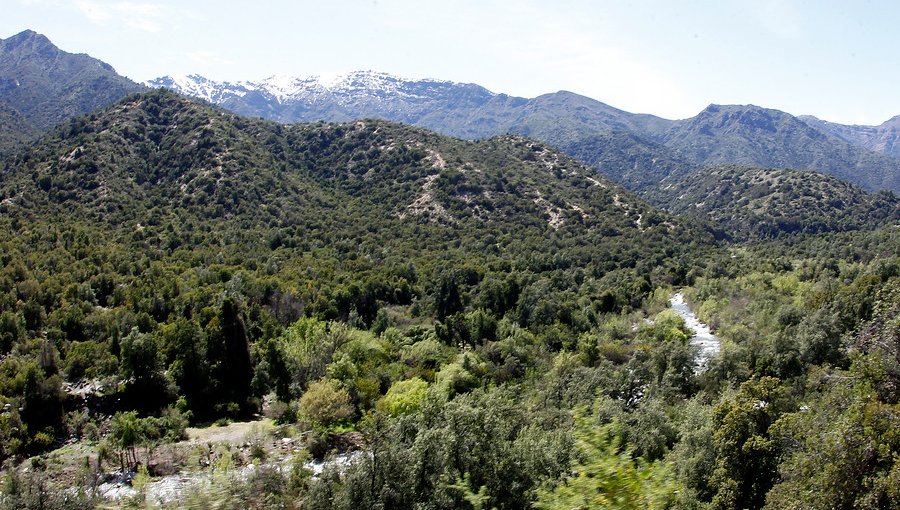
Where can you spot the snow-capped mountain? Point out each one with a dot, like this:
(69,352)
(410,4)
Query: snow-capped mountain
(450,107)
(463,110)
(293,89)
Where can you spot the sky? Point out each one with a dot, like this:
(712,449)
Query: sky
(835,59)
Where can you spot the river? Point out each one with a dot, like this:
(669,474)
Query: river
(708,344)
(170,489)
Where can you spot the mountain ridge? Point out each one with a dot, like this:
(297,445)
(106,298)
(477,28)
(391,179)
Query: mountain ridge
(719,134)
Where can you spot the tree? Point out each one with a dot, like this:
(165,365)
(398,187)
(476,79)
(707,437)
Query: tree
(126,431)
(148,387)
(185,345)
(746,454)
(447,300)
(325,403)
(231,370)
(605,475)
(404,397)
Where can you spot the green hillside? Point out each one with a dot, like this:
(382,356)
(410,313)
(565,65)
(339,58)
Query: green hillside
(636,163)
(151,213)
(760,203)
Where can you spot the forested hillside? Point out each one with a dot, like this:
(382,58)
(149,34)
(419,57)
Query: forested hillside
(759,203)
(14,129)
(448,324)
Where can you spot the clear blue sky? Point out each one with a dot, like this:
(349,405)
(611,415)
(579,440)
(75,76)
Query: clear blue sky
(836,59)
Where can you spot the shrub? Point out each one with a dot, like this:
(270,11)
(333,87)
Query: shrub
(325,403)
(404,397)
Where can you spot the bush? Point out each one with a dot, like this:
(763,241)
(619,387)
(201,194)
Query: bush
(404,397)
(325,403)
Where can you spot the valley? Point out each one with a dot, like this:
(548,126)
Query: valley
(421,294)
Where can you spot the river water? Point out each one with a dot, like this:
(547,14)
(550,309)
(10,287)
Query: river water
(707,343)
(169,489)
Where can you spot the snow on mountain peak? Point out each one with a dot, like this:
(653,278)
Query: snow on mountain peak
(197,86)
(287,89)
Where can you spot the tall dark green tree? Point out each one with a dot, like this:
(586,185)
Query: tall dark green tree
(232,370)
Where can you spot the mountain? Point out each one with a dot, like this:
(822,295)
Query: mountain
(159,154)
(461,110)
(757,203)
(41,85)
(563,117)
(884,139)
(750,135)
(580,126)
(457,109)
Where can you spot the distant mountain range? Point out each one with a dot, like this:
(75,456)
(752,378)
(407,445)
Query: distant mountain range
(754,136)
(747,135)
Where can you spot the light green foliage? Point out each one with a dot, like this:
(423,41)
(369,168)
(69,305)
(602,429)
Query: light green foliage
(606,476)
(746,453)
(307,349)
(459,376)
(324,402)
(425,357)
(404,397)
(669,327)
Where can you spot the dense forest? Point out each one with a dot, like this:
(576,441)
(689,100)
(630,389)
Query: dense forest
(465,324)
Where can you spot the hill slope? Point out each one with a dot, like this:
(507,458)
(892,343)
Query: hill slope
(760,203)
(14,129)
(637,164)
(163,156)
